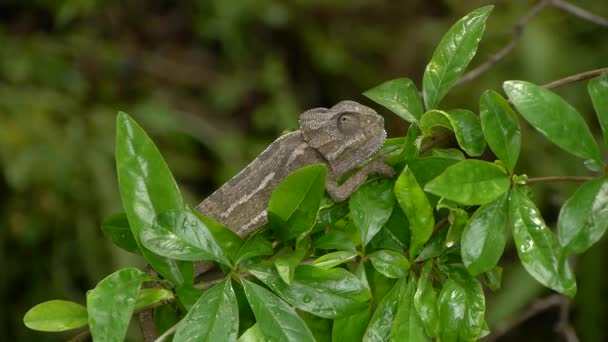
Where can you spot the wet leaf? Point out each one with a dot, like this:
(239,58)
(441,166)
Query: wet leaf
(334,240)
(555,118)
(454,52)
(334,259)
(416,207)
(116,228)
(179,234)
(379,328)
(407,325)
(598,90)
(371,207)
(538,248)
(110,304)
(277,320)
(400,96)
(461,309)
(214,316)
(425,301)
(327,293)
(390,264)
(467,129)
(583,219)
(295,201)
(470,182)
(485,236)
(253,247)
(147,188)
(501,128)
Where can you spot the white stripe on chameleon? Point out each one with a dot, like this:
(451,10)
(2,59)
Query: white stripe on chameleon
(251,223)
(246,198)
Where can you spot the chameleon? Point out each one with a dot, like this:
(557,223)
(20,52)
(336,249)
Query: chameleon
(341,137)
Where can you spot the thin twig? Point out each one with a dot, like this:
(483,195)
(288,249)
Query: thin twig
(82,336)
(441,223)
(575,78)
(167,333)
(563,326)
(534,309)
(517,33)
(519,28)
(146,317)
(554,179)
(579,12)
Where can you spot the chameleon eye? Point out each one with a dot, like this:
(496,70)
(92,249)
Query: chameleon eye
(348,123)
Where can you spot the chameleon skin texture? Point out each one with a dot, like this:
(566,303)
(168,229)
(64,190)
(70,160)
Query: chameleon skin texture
(340,137)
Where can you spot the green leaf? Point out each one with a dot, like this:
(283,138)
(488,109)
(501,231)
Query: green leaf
(485,236)
(295,201)
(286,264)
(501,128)
(389,263)
(371,206)
(379,328)
(451,153)
(432,119)
(428,168)
(407,325)
(555,118)
(470,182)
(461,309)
(385,239)
(214,317)
(187,295)
(147,188)
(400,96)
(458,219)
(148,297)
(467,129)
(425,301)
(583,219)
(493,278)
(538,248)
(110,304)
(253,334)
(416,207)
(463,123)
(334,259)
(319,326)
(334,240)
(255,246)
(397,227)
(179,234)
(56,315)
(327,293)
(598,90)
(454,52)
(435,247)
(351,328)
(165,317)
(229,241)
(329,215)
(116,228)
(277,320)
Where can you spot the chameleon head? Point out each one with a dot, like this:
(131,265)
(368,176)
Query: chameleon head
(345,134)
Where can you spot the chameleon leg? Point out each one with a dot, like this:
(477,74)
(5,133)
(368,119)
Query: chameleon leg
(340,192)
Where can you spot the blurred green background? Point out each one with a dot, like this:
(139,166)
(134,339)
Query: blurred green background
(215,81)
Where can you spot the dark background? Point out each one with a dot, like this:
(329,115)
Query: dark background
(213,82)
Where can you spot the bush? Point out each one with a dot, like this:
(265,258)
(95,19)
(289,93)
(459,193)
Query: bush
(403,259)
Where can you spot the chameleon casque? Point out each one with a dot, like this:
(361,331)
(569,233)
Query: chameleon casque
(341,137)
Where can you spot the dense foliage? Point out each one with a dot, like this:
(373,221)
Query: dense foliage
(404,259)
